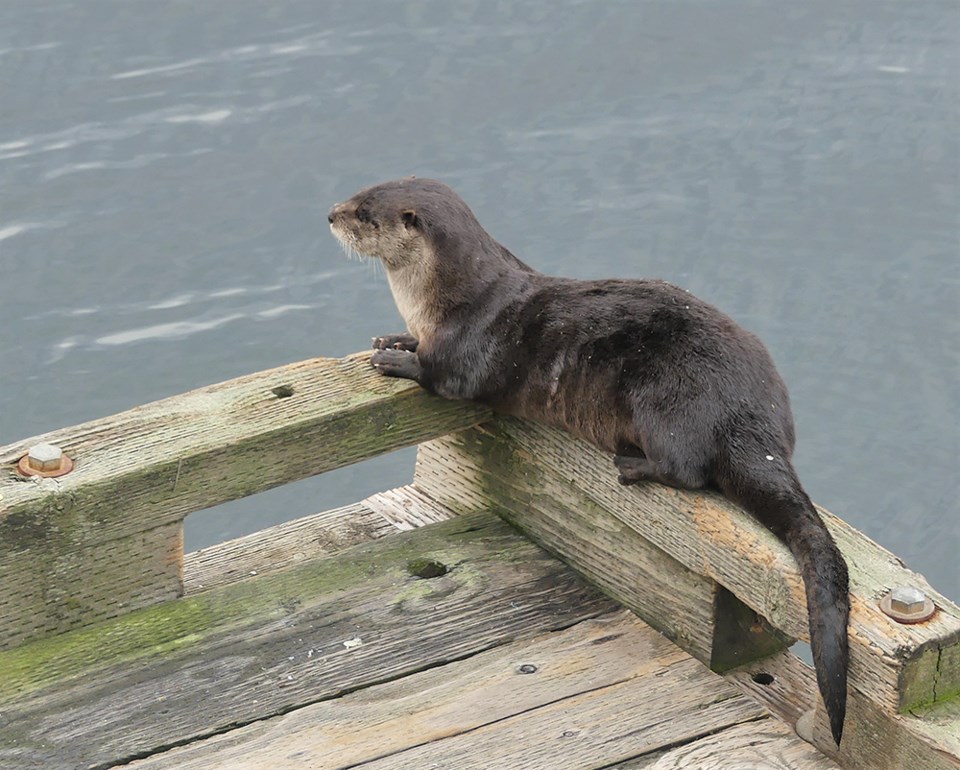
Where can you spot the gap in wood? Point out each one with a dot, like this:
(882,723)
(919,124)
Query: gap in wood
(300,498)
(802,650)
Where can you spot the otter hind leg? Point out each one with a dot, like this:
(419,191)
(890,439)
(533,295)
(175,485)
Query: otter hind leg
(404,341)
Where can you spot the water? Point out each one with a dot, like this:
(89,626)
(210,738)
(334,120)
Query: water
(165,169)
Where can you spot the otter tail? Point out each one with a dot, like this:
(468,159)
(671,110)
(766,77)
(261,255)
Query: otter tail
(778,501)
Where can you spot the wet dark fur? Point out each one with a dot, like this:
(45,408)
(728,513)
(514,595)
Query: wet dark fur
(675,389)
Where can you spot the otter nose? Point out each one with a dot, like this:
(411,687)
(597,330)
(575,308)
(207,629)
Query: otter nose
(330,214)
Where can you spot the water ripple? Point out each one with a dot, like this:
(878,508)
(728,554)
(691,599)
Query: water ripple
(320,44)
(166,331)
(28,48)
(214,116)
(11,230)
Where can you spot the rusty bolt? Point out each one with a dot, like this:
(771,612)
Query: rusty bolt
(907,604)
(45,460)
(45,457)
(907,599)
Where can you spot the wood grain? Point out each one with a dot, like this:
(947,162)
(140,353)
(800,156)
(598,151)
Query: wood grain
(768,745)
(874,739)
(444,701)
(396,724)
(142,471)
(309,537)
(249,650)
(593,729)
(408,507)
(282,546)
(713,538)
(552,510)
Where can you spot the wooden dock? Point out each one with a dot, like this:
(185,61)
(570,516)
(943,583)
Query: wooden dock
(473,619)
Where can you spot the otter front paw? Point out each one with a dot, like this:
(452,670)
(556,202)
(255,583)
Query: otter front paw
(403,341)
(397,363)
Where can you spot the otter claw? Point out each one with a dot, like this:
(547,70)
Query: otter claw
(396,342)
(397,363)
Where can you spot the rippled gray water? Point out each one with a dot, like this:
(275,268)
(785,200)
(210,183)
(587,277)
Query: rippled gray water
(165,169)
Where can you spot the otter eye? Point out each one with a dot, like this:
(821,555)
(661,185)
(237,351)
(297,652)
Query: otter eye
(409,218)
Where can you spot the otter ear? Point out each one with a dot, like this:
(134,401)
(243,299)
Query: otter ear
(409,218)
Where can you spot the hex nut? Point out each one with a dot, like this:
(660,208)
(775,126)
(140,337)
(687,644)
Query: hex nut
(45,457)
(907,599)
(45,460)
(907,604)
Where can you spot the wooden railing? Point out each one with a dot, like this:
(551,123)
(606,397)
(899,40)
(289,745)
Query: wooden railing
(106,538)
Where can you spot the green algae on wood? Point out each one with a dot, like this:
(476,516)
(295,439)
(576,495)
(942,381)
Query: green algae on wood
(148,468)
(243,652)
(185,622)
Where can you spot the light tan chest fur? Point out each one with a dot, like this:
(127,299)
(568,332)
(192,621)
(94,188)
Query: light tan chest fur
(409,288)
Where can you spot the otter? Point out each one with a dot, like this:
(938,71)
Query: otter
(676,390)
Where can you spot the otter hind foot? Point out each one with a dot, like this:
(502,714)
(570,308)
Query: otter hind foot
(636,469)
(397,363)
(396,342)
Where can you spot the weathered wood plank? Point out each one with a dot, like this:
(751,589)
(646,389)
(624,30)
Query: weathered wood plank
(553,511)
(281,546)
(929,740)
(711,537)
(144,470)
(249,650)
(310,537)
(448,700)
(60,583)
(939,727)
(555,514)
(594,729)
(408,507)
(786,689)
(766,745)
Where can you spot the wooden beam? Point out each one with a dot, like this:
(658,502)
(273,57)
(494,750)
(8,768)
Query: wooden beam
(242,652)
(691,609)
(310,537)
(282,546)
(106,538)
(929,740)
(897,666)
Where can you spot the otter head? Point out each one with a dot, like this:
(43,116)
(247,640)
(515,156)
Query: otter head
(426,237)
(382,222)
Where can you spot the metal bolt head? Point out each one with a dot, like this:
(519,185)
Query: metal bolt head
(907,599)
(907,604)
(44,457)
(45,460)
